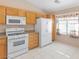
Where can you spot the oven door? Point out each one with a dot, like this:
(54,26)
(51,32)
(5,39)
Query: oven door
(17,44)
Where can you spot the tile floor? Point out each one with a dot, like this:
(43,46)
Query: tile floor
(56,50)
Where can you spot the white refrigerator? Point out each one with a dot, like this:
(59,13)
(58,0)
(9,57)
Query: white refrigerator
(44,27)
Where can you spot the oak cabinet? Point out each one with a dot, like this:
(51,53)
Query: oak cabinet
(3,52)
(33,40)
(30,18)
(3,48)
(21,13)
(11,11)
(40,15)
(2,19)
(2,15)
(54,27)
(44,16)
(2,41)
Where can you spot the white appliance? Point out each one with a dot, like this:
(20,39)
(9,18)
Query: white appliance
(44,27)
(17,42)
(17,38)
(15,20)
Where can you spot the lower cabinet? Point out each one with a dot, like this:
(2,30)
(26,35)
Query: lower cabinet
(3,52)
(33,40)
(3,49)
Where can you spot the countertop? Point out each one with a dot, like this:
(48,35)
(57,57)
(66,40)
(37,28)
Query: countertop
(3,34)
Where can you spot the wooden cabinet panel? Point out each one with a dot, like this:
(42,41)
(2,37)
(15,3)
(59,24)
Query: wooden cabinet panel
(30,18)
(2,19)
(21,13)
(2,15)
(33,40)
(54,27)
(3,51)
(40,15)
(11,11)
(2,10)
(45,16)
(3,48)
(3,41)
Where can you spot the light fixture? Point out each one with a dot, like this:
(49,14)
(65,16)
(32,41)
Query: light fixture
(56,1)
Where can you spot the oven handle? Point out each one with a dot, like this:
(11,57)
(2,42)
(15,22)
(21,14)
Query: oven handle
(18,38)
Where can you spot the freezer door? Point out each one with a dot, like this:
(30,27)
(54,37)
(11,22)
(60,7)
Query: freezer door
(45,39)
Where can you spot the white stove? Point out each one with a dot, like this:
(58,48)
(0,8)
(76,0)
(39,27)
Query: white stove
(17,41)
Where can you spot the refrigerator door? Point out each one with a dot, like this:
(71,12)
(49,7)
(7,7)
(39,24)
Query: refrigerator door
(45,40)
(46,32)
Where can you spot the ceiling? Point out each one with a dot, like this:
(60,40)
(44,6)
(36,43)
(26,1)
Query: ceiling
(50,6)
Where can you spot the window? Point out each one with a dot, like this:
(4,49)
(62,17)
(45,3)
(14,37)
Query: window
(73,27)
(61,26)
(68,26)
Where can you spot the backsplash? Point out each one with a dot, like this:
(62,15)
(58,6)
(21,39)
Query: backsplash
(27,27)
(2,28)
(30,27)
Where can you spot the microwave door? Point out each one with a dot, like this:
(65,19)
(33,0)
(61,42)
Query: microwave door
(15,20)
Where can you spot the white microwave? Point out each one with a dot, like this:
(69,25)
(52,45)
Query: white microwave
(15,20)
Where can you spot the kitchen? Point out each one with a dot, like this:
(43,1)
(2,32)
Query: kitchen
(25,31)
(10,18)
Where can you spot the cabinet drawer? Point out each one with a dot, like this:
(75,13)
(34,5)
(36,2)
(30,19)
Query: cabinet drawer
(31,37)
(31,40)
(36,40)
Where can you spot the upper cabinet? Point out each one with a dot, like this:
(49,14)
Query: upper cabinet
(21,13)
(2,10)
(11,11)
(40,15)
(2,15)
(30,18)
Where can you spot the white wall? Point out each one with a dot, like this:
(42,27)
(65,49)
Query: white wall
(22,4)
(68,40)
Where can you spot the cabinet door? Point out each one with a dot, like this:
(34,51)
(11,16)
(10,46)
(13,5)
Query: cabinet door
(39,15)
(30,18)
(33,40)
(3,41)
(3,48)
(36,39)
(3,52)
(2,15)
(21,13)
(11,11)
(30,40)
